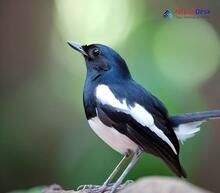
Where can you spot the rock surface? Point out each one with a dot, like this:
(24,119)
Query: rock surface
(145,185)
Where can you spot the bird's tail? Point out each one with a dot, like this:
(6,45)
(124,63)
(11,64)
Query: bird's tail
(186,125)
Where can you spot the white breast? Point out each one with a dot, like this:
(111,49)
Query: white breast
(112,137)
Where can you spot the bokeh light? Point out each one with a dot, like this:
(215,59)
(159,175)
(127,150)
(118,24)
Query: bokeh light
(100,21)
(187,50)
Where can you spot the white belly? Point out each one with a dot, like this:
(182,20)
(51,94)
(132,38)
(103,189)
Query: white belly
(112,137)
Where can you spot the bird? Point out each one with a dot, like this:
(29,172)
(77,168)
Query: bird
(128,117)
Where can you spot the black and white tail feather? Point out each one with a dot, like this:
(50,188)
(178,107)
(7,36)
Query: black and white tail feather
(187,125)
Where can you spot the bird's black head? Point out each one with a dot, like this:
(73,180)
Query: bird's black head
(102,61)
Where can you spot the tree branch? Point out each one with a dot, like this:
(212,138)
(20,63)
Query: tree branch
(145,185)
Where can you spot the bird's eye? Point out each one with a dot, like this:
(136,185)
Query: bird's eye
(96,52)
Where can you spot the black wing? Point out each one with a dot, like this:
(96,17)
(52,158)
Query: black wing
(135,93)
(140,134)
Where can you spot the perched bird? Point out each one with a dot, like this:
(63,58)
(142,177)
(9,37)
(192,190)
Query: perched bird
(128,117)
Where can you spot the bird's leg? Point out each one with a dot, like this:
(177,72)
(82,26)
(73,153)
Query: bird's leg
(115,171)
(96,188)
(117,168)
(135,158)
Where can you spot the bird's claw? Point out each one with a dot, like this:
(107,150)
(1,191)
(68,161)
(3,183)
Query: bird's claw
(89,188)
(95,188)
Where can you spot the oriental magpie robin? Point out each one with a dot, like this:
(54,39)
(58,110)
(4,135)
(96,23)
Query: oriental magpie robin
(128,117)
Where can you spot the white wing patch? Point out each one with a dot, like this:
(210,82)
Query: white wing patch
(139,113)
(104,94)
(187,130)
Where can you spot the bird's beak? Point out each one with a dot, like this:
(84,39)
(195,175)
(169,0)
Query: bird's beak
(77,47)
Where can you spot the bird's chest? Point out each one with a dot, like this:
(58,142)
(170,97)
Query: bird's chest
(112,137)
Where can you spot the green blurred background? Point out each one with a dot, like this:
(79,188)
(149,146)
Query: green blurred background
(44,135)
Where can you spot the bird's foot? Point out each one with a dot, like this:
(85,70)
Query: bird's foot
(88,187)
(101,189)
(95,188)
